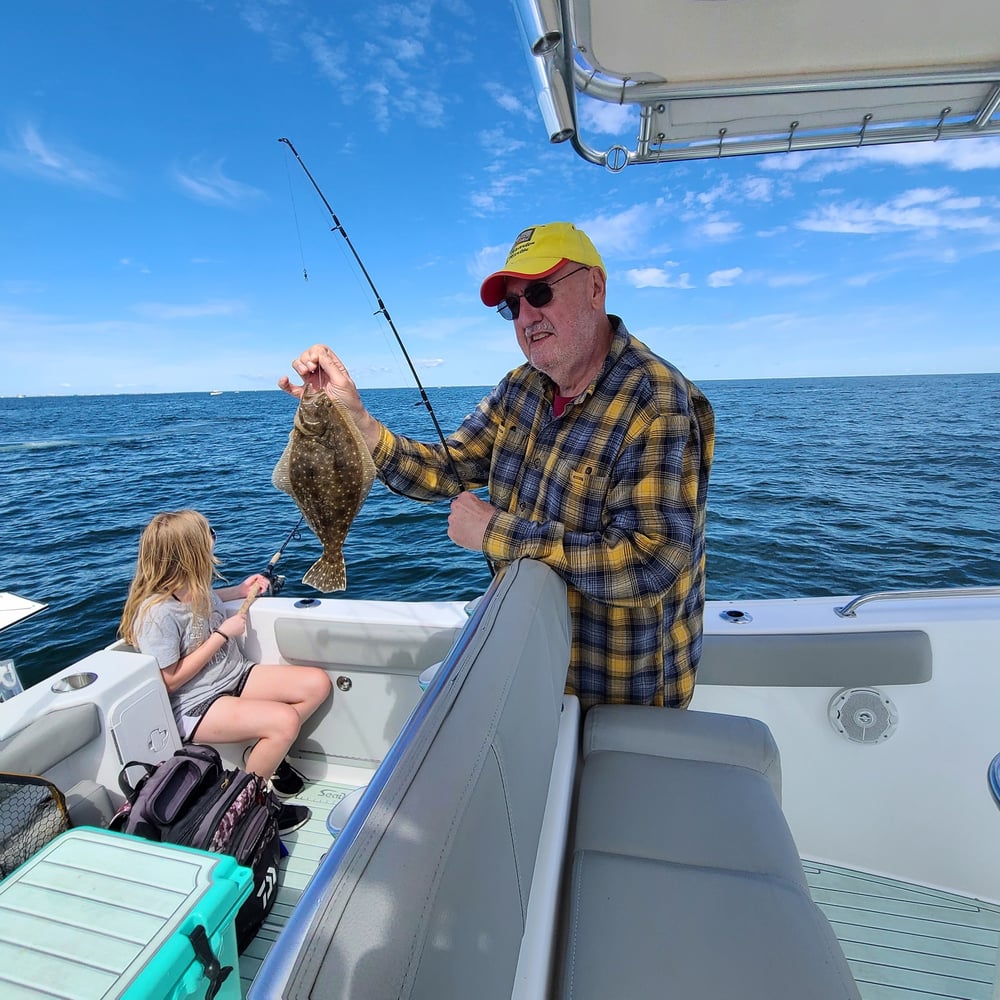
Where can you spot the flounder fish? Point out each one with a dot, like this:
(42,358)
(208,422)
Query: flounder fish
(327,470)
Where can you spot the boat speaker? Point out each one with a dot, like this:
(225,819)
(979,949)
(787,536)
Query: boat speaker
(863,715)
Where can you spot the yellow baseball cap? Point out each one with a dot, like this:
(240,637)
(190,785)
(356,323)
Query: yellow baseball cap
(537,252)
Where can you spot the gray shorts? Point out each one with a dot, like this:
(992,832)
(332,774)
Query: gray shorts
(187,724)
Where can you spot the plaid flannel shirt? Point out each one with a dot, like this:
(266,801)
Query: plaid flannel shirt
(611,495)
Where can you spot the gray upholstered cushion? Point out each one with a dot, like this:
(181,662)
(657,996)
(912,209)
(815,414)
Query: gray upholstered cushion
(677,732)
(651,929)
(49,739)
(686,882)
(686,811)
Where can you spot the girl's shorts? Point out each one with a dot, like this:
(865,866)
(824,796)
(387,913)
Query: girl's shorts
(187,724)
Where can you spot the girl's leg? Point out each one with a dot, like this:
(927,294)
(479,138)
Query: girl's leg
(274,724)
(304,688)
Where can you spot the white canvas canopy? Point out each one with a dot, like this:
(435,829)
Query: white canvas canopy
(710,78)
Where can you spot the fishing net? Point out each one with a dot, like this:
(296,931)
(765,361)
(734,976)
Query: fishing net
(32,812)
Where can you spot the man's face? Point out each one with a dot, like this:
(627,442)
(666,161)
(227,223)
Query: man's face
(560,338)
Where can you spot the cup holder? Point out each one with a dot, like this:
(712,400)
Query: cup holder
(73,682)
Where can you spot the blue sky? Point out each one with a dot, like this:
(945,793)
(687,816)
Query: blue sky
(155,232)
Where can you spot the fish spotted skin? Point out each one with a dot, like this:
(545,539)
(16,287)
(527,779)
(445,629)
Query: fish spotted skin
(327,470)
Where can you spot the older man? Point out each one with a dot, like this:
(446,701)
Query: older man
(597,455)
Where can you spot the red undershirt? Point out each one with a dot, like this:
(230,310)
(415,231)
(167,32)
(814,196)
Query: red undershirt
(559,403)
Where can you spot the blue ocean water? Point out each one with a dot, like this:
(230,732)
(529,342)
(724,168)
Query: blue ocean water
(820,486)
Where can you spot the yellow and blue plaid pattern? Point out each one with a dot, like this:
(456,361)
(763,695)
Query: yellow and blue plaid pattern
(611,495)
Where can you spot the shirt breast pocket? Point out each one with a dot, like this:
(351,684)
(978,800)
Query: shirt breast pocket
(584,489)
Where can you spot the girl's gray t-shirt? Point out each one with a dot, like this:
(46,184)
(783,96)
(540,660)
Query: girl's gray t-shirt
(169,630)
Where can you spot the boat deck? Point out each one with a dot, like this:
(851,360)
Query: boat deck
(306,847)
(907,941)
(902,941)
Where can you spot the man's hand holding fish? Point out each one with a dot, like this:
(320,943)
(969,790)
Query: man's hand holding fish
(322,370)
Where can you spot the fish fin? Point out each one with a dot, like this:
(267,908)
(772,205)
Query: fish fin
(327,574)
(280,477)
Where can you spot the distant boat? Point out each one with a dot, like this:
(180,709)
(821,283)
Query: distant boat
(216,392)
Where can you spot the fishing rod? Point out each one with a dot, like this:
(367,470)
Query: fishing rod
(276,581)
(339,228)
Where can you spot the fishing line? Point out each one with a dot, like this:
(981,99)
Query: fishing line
(339,228)
(295,216)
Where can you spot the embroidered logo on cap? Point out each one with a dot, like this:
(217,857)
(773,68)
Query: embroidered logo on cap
(522,243)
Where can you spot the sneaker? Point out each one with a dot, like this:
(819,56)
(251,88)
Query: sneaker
(286,782)
(291,817)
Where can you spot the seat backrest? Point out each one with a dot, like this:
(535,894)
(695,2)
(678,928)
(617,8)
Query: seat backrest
(49,739)
(428,895)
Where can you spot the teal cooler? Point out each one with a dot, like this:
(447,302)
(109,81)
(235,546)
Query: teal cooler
(96,914)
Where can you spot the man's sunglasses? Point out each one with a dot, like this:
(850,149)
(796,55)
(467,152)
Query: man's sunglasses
(538,294)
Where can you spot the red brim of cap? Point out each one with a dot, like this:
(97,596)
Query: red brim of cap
(494,288)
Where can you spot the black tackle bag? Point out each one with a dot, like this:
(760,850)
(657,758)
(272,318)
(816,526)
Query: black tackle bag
(191,799)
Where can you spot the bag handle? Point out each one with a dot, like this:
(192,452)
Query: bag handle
(128,789)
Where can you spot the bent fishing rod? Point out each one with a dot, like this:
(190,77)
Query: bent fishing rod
(339,228)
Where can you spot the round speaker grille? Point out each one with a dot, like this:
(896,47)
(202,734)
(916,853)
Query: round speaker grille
(863,715)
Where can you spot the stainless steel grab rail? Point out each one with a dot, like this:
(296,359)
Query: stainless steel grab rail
(849,610)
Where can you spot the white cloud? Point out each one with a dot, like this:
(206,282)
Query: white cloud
(30,153)
(959,204)
(608,119)
(656,277)
(981,153)
(723,279)
(962,155)
(719,229)
(622,233)
(921,209)
(921,196)
(210,185)
(406,49)
(758,188)
(328,59)
(489,259)
(508,100)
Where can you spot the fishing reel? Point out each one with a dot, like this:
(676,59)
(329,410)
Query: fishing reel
(277,581)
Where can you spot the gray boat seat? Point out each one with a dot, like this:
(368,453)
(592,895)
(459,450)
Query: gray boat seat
(428,897)
(50,739)
(685,879)
(687,734)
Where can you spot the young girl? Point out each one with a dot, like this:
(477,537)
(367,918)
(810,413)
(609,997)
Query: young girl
(217,695)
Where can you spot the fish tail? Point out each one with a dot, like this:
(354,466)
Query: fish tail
(327,574)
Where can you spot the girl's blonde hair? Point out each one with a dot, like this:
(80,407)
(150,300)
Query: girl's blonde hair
(175,554)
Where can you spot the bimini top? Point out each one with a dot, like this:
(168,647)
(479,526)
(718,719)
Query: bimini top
(712,78)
